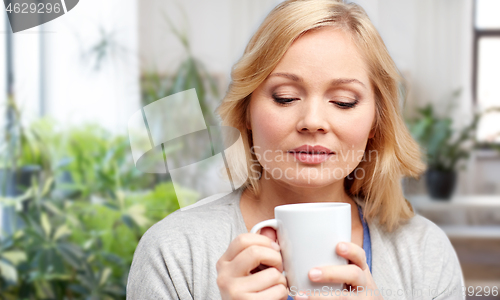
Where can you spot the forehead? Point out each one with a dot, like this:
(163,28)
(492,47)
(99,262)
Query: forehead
(326,50)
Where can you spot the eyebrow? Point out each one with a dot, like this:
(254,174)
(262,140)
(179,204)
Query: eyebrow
(334,82)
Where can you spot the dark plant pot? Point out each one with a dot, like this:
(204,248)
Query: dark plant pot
(62,192)
(17,182)
(440,184)
(13,184)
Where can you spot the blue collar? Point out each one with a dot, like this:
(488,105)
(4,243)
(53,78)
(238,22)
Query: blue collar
(367,244)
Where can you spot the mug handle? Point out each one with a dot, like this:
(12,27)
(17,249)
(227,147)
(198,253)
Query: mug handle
(273,223)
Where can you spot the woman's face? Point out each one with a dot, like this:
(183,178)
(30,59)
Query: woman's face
(311,118)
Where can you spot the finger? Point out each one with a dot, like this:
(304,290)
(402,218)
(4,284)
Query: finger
(262,280)
(252,256)
(270,233)
(243,241)
(354,253)
(350,274)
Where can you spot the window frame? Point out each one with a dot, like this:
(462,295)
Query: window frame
(477,35)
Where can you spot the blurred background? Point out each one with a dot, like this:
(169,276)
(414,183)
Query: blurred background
(73,205)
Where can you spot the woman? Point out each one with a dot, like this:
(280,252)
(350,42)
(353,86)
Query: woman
(315,97)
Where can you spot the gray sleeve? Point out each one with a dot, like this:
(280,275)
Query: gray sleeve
(176,257)
(446,277)
(149,277)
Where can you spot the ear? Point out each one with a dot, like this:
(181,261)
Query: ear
(247,112)
(247,122)
(374,129)
(372,133)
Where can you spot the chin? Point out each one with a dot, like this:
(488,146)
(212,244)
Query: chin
(312,183)
(309,182)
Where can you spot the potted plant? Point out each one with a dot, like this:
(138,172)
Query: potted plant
(444,147)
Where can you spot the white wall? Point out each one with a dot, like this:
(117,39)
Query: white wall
(431,43)
(218,31)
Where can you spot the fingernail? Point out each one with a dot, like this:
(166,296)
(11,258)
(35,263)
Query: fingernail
(275,246)
(343,247)
(315,274)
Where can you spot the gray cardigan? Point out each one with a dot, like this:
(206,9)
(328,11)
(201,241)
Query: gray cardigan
(176,257)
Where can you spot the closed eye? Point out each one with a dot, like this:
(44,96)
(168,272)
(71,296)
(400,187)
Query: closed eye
(346,105)
(342,105)
(284,101)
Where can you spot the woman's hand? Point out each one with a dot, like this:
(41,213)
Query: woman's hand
(356,276)
(235,269)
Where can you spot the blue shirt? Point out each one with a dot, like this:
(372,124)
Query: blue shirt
(367,244)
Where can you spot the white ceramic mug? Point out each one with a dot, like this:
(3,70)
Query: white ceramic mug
(308,234)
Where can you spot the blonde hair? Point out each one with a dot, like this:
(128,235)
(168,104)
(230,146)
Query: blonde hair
(379,192)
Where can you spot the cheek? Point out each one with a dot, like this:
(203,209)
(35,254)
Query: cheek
(354,131)
(268,127)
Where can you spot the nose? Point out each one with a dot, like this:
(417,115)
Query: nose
(313,117)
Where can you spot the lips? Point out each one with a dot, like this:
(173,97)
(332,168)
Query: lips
(311,154)
(308,149)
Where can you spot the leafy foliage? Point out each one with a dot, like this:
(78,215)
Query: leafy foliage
(21,145)
(80,246)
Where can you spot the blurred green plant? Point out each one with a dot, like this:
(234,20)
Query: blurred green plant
(100,164)
(22,145)
(105,50)
(191,73)
(444,147)
(80,247)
